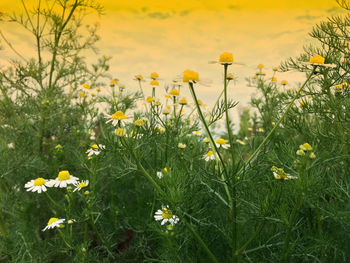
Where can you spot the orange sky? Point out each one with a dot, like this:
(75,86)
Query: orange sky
(171,36)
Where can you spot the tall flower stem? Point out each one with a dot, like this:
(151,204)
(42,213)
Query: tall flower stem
(212,142)
(234,195)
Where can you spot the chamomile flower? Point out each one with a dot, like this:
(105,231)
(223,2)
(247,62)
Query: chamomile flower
(95,149)
(181,145)
(183,101)
(54,222)
(63,179)
(196,133)
(149,99)
(116,117)
(37,185)
(120,132)
(280,174)
(240,142)
(305,147)
(222,143)
(80,185)
(174,92)
(225,58)
(190,76)
(209,156)
(154,75)
(318,60)
(206,140)
(166,215)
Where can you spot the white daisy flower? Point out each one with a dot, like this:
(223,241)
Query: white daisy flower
(80,185)
(115,118)
(95,149)
(222,143)
(54,222)
(37,185)
(181,145)
(166,215)
(280,174)
(209,156)
(63,179)
(11,145)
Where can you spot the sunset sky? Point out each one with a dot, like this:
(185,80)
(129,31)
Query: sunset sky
(171,36)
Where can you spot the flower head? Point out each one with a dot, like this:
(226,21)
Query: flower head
(114,82)
(116,117)
(166,215)
(230,76)
(274,79)
(183,101)
(63,179)
(37,185)
(149,99)
(190,76)
(139,77)
(280,174)
(86,86)
(209,156)
(54,222)
(305,147)
(284,82)
(95,149)
(222,143)
(166,111)
(260,66)
(154,75)
(154,83)
(318,60)
(80,185)
(120,132)
(174,92)
(226,58)
(139,123)
(181,145)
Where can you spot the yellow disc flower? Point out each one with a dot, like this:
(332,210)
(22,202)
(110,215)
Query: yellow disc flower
(183,101)
(86,86)
(274,79)
(149,99)
(139,123)
(190,76)
(174,92)
(260,66)
(120,132)
(317,59)
(230,76)
(139,77)
(154,75)
(222,143)
(54,222)
(116,117)
(305,147)
(226,58)
(154,83)
(284,82)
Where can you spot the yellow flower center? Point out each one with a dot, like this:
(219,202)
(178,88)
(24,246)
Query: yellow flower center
(120,132)
(95,146)
(284,82)
(210,153)
(200,103)
(166,214)
(86,86)
(317,59)
(260,66)
(154,83)
(39,181)
(183,101)
(114,81)
(221,141)
(63,175)
(226,57)
(190,75)
(174,92)
(139,77)
(119,115)
(81,185)
(52,220)
(139,123)
(274,79)
(149,99)
(154,75)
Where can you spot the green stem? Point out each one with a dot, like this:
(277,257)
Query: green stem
(234,201)
(212,142)
(201,242)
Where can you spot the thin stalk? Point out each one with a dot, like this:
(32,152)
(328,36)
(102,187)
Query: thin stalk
(212,142)
(234,201)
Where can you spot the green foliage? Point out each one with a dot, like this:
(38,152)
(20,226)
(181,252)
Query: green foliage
(268,197)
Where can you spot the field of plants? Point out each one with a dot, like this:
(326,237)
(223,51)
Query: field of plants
(92,172)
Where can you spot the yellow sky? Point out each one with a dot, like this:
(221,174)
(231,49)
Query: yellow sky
(168,37)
